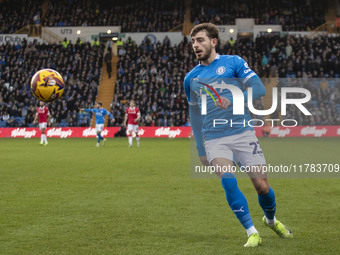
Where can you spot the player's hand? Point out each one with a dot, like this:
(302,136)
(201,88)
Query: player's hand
(136,120)
(225,103)
(204,160)
(124,124)
(112,121)
(81,109)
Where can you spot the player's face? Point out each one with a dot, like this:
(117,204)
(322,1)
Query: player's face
(132,104)
(41,104)
(202,45)
(98,106)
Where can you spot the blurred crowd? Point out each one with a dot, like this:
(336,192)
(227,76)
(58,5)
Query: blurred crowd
(160,16)
(80,65)
(153,75)
(292,15)
(312,63)
(324,105)
(14,15)
(289,56)
(132,16)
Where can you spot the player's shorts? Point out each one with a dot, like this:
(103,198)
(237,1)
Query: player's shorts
(42,125)
(242,148)
(99,127)
(134,128)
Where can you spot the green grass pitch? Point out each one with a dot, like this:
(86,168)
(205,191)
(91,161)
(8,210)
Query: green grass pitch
(73,198)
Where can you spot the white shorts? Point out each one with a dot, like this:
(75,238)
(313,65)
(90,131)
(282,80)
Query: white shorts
(134,128)
(244,149)
(99,127)
(42,125)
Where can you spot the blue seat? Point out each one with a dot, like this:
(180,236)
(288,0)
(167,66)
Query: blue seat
(2,123)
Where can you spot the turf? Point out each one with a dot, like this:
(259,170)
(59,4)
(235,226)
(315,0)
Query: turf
(73,198)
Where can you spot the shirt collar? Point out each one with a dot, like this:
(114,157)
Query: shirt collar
(217,57)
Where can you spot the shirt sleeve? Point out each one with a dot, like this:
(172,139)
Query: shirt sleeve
(197,125)
(242,70)
(192,99)
(187,86)
(249,78)
(109,114)
(195,118)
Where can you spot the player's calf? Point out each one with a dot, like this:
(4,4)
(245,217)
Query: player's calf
(138,140)
(261,185)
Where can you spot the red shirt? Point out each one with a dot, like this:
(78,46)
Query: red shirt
(42,112)
(132,115)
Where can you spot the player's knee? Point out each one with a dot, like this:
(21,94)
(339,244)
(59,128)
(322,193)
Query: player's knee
(262,188)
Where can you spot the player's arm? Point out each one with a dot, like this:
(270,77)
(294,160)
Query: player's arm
(49,118)
(249,79)
(111,116)
(86,110)
(196,122)
(35,118)
(125,119)
(197,125)
(138,117)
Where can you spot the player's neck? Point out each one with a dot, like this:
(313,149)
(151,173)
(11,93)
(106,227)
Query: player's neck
(209,60)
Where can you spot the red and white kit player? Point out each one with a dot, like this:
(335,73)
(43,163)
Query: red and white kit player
(132,114)
(44,117)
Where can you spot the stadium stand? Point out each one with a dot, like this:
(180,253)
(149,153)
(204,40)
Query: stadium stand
(292,15)
(79,64)
(160,16)
(155,16)
(156,75)
(14,15)
(153,74)
(157,72)
(325,100)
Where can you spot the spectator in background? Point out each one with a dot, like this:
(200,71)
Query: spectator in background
(289,50)
(36,21)
(65,43)
(107,58)
(231,42)
(95,42)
